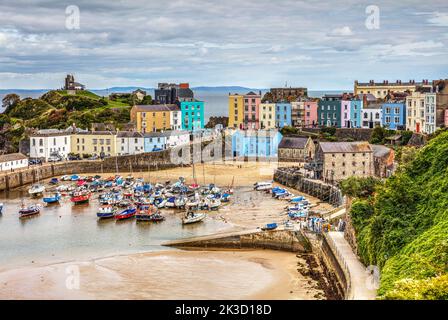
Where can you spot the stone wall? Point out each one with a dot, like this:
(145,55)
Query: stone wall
(347,134)
(285,240)
(316,188)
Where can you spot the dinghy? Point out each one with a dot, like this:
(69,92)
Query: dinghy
(52,199)
(126,214)
(36,190)
(192,217)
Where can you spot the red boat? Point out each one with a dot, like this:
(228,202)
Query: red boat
(126,214)
(80,197)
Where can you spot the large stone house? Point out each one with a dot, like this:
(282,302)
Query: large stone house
(336,161)
(297,149)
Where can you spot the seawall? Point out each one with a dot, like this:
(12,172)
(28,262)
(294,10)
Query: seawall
(279,239)
(316,188)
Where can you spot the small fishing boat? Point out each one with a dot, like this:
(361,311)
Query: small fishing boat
(269,226)
(74,177)
(54,181)
(80,197)
(214,204)
(65,178)
(106,212)
(126,214)
(52,199)
(192,217)
(29,211)
(266,185)
(146,213)
(36,190)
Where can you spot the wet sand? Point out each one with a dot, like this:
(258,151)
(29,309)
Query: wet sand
(257,274)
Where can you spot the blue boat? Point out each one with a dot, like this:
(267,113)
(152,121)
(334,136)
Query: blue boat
(74,177)
(54,199)
(270,226)
(126,214)
(54,181)
(297,199)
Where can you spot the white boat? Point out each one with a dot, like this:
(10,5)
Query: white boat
(214,204)
(263,186)
(36,189)
(66,178)
(193,218)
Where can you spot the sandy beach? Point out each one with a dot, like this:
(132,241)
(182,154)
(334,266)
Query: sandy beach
(256,274)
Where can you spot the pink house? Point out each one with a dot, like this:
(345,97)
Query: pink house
(251,110)
(310,115)
(345,113)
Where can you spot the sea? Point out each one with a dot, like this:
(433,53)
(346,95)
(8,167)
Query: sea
(216,100)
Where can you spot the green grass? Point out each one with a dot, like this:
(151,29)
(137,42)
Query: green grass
(91,95)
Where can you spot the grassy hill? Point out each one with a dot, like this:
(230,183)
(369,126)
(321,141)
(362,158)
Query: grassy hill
(57,109)
(402,225)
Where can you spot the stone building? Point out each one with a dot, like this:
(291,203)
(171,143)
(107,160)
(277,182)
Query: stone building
(383,161)
(381,89)
(336,161)
(297,149)
(288,94)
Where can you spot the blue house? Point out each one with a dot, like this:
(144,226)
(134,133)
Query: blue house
(192,115)
(257,143)
(155,141)
(282,115)
(394,115)
(355,113)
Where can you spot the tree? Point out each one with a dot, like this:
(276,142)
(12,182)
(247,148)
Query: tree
(10,101)
(147,100)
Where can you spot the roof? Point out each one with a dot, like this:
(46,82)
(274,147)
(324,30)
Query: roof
(50,133)
(185,93)
(156,107)
(373,106)
(293,142)
(97,133)
(345,147)
(12,157)
(380,151)
(251,93)
(395,137)
(129,134)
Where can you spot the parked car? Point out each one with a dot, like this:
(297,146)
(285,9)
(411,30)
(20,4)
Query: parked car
(54,158)
(34,161)
(74,157)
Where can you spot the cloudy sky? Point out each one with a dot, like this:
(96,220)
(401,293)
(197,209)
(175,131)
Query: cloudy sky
(322,44)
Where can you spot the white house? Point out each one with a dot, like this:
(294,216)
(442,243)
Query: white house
(176,119)
(13,161)
(130,143)
(371,116)
(177,138)
(49,142)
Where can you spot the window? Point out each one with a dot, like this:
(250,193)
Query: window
(41,142)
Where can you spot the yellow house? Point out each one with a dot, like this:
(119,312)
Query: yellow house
(94,143)
(236,110)
(381,89)
(150,118)
(267,115)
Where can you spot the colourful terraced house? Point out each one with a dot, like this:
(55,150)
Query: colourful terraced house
(192,115)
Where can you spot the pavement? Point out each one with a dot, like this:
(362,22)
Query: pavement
(362,284)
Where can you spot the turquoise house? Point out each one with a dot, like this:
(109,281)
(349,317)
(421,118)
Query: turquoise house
(355,113)
(192,115)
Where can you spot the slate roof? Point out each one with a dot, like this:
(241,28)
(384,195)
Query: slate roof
(380,151)
(156,107)
(293,143)
(345,147)
(12,157)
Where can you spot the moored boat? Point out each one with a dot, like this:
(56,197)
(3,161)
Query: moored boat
(192,217)
(52,199)
(29,211)
(269,226)
(36,189)
(106,212)
(126,214)
(80,197)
